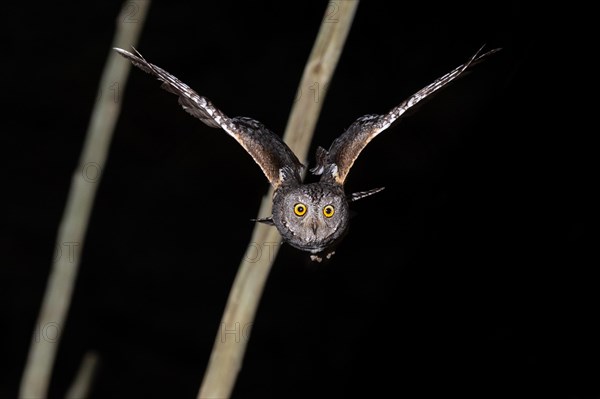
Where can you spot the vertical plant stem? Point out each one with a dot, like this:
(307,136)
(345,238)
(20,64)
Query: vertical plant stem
(84,183)
(81,386)
(230,344)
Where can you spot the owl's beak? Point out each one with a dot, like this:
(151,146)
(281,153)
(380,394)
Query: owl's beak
(314,226)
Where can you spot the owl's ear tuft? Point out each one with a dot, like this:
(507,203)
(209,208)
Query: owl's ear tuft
(268,220)
(289,174)
(322,161)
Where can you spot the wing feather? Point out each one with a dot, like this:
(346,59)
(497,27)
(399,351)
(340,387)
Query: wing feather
(275,158)
(335,164)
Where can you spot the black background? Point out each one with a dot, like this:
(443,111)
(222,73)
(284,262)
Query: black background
(469,275)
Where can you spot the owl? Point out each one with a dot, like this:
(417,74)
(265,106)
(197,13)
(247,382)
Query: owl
(311,217)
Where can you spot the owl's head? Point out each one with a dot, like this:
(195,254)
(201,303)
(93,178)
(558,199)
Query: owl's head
(311,217)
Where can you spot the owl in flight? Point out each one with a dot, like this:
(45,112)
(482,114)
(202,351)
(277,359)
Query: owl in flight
(311,217)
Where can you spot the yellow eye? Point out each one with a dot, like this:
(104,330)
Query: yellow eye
(299,209)
(328,211)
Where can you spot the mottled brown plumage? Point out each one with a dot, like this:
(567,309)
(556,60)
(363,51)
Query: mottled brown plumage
(274,157)
(311,217)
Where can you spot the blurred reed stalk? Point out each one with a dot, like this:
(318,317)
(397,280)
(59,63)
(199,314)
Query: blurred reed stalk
(228,353)
(84,183)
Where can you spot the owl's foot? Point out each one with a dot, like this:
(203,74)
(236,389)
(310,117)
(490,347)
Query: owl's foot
(317,258)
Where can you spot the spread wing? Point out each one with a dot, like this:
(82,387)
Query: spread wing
(274,157)
(335,164)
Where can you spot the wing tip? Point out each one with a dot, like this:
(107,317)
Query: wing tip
(480,56)
(121,51)
(127,54)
